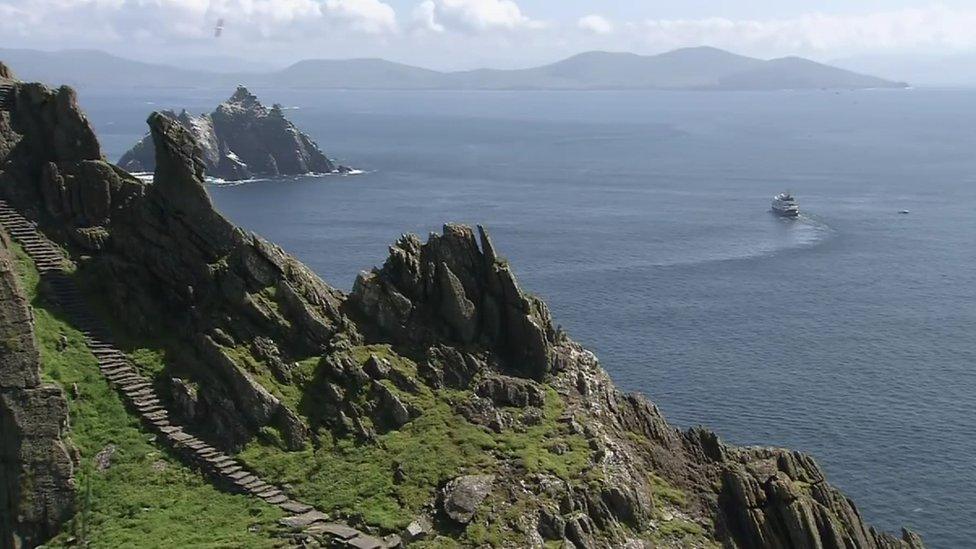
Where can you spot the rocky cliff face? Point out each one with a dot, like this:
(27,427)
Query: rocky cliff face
(36,470)
(462,336)
(240,140)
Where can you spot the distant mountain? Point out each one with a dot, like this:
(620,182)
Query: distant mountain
(919,69)
(93,69)
(702,68)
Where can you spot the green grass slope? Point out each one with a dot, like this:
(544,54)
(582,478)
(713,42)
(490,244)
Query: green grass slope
(145,498)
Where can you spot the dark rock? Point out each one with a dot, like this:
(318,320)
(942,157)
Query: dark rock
(186,401)
(463,496)
(241,139)
(377,368)
(480,411)
(510,391)
(391,407)
(36,465)
(450,290)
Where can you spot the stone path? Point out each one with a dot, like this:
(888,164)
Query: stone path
(6,96)
(140,395)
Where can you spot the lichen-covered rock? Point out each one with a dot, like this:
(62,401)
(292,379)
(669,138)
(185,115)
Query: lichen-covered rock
(453,290)
(510,391)
(779,498)
(37,487)
(463,496)
(241,139)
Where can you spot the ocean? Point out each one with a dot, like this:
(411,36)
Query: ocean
(643,220)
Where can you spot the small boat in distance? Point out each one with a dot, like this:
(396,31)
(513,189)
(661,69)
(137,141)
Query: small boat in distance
(904,212)
(784,205)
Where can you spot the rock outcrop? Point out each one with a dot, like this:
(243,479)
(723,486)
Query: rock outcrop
(241,139)
(37,488)
(451,290)
(164,260)
(459,339)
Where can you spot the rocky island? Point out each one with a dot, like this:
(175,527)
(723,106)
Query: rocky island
(166,375)
(242,139)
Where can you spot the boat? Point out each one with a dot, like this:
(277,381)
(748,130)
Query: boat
(904,212)
(784,205)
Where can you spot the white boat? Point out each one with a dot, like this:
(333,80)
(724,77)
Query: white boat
(785,205)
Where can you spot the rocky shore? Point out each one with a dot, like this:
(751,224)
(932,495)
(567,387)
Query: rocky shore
(242,139)
(463,415)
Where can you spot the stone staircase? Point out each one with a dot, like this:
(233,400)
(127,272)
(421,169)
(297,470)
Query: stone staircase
(6,96)
(141,397)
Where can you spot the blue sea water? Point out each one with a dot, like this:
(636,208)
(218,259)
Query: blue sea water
(642,218)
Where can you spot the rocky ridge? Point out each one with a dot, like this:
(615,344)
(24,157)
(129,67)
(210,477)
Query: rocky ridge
(242,139)
(459,331)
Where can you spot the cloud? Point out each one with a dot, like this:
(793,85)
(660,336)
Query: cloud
(907,29)
(596,24)
(70,22)
(471,16)
(369,16)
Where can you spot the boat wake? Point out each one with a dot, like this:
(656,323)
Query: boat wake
(787,235)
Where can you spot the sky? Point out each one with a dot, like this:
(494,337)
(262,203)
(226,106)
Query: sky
(464,34)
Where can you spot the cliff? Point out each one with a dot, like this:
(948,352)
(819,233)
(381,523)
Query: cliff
(242,139)
(37,488)
(437,400)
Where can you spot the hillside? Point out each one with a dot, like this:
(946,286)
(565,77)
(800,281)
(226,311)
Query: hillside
(701,68)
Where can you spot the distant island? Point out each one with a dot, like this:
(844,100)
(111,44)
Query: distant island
(701,68)
(240,140)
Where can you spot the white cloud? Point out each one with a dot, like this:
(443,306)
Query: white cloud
(71,22)
(907,29)
(369,16)
(425,17)
(596,24)
(472,16)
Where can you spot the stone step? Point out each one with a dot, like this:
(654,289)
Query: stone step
(150,409)
(295,507)
(156,415)
(270,491)
(227,470)
(239,475)
(249,483)
(139,393)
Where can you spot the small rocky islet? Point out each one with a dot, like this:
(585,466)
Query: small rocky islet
(436,405)
(242,139)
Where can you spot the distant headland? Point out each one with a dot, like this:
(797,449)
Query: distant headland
(700,68)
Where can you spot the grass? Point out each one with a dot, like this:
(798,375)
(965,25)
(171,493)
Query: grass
(357,480)
(145,496)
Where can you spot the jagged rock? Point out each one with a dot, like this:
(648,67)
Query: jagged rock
(241,139)
(463,496)
(452,290)
(449,367)
(377,368)
(480,411)
(391,406)
(186,401)
(36,467)
(416,530)
(5,72)
(510,391)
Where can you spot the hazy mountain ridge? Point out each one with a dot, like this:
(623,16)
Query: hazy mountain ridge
(702,68)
